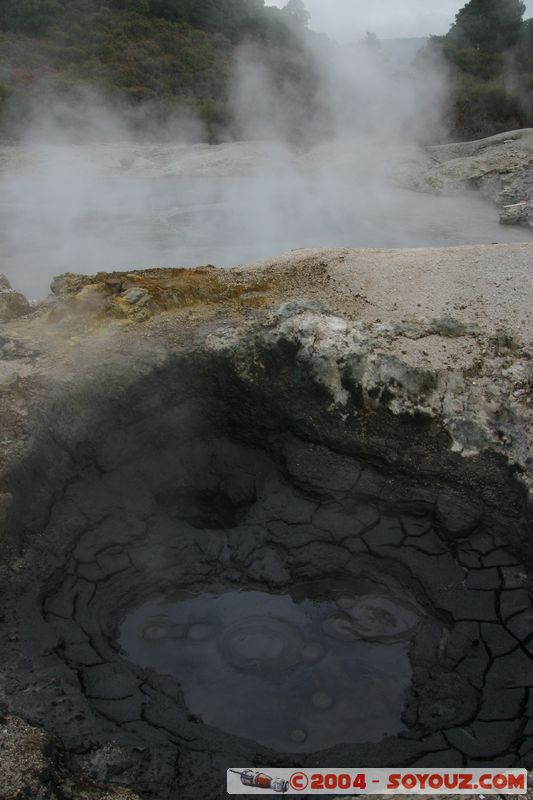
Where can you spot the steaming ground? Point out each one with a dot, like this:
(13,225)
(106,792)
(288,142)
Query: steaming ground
(90,209)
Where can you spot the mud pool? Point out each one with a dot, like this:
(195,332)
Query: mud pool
(293,672)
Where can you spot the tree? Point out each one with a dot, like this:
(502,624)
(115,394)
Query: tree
(492,26)
(137,6)
(29,16)
(372,41)
(173,10)
(298,13)
(524,50)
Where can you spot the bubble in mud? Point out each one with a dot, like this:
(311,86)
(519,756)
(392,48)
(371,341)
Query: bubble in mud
(312,652)
(155,631)
(374,618)
(161,627)
(298,736)
(340,627)
(261,642)
(200,632)
(382,618)
(322,700)
(346,602)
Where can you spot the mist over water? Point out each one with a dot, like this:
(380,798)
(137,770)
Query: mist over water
(338,176)
(100,223)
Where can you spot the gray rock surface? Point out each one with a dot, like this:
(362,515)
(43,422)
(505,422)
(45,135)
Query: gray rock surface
(12,304)
(500,167)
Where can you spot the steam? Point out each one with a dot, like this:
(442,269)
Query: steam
(356,92)
(84,115)
(324,163)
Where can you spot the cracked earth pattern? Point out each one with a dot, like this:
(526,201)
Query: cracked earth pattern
(198,512)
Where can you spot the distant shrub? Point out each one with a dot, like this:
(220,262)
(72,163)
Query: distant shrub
(474,62)
(480,109)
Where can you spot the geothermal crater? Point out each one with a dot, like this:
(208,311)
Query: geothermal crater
(243,597)
(233,556)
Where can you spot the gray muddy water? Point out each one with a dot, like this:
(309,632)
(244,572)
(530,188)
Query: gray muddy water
(297,673)
(84,222)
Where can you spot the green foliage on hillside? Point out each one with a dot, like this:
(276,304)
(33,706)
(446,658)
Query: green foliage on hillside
(169,55)
(232,18)
(490,51)
(154,60)
(491,26)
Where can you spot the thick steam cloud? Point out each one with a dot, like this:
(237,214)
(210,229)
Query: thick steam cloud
(324,161)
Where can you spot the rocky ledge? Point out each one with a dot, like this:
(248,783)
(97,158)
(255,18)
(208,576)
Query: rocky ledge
(343,418)
(500,167)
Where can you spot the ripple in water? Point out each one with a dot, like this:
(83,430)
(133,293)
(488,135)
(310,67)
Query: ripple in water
(296,673)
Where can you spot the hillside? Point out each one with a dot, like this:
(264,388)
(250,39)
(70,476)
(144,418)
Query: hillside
(163,66)
(152,60)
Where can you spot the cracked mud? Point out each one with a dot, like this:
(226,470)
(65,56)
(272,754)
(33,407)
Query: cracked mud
(226,598)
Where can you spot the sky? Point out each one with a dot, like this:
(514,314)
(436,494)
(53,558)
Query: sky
(350,19)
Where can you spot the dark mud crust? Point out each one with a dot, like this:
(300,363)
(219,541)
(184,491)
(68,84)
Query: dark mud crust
(269,487)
